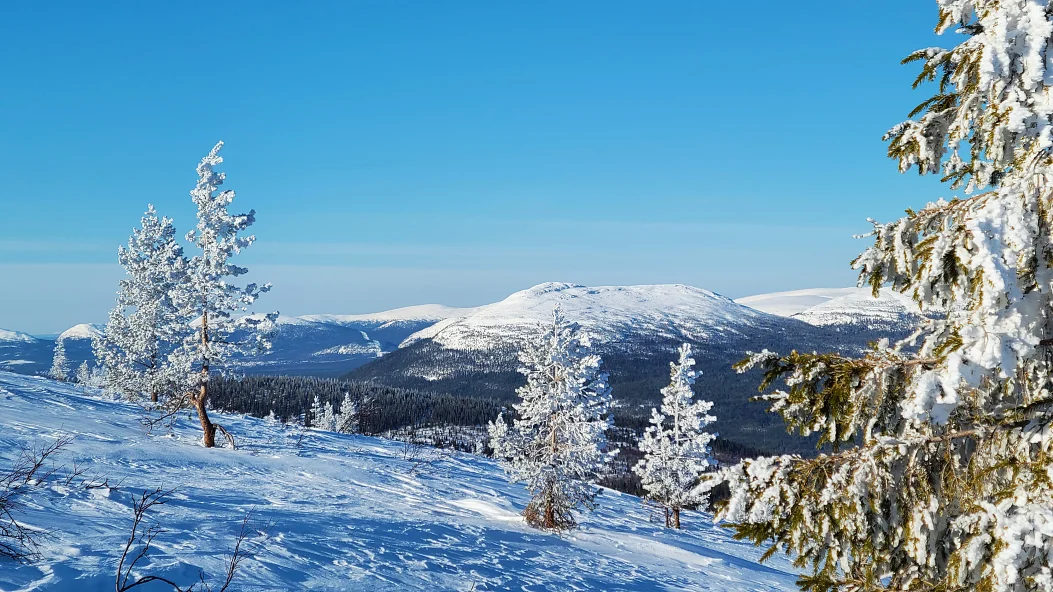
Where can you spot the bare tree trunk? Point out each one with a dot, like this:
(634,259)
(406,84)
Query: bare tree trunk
(550,513)
(676,518)
(207,426)
(153,366)
(667,522)
(201,399)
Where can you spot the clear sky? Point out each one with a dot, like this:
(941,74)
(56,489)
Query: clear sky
(401,153)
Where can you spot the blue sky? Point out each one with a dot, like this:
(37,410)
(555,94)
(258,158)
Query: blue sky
(407,152)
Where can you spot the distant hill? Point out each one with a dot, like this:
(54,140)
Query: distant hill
(636,329)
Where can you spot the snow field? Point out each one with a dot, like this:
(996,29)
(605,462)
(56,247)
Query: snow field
(338,512)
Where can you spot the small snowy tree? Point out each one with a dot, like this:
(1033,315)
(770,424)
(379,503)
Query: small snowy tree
(675,447)
(948,483)
(83,374)
(347,417)
(211,296)
(139,349)
(59,363)
(557,444)
(322,416)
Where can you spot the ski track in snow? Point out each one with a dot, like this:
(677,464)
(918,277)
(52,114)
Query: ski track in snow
(340,513)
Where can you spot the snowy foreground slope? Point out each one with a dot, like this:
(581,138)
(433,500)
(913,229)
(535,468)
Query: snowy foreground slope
(340,513)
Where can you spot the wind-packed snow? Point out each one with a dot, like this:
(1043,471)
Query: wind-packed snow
(790,303)
(340,513)
(672,310)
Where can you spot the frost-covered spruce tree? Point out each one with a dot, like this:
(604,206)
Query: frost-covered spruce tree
(948,483)
(83,374)
(347,417)
(139,349)
(557,444)
(675,446)
(211,295)
(322,416)
(59,363)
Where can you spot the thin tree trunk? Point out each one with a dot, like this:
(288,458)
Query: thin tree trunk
(667,518)
(209,438)
(207,426)
(550,512)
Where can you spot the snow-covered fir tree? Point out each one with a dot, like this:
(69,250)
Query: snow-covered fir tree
(83,374)
(139,349)
(557,443)
(675,446)
(322,416)
(347,417)
(947,484)
(59,363)
(211,296)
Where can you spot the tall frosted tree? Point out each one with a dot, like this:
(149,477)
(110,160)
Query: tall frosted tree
(139,349)
(211,294)
(948,482)
(675,446)
(557,444)
(59,363)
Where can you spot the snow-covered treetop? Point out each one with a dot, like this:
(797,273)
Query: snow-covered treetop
(217,231)
(991,113)
(218,237)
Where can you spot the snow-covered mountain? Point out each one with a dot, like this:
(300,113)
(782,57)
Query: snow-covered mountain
(328,512)
(319,345)
(635,328)
(21,352)
(84,331)
(330,345)
(608,312)
(787,304)
(850,311)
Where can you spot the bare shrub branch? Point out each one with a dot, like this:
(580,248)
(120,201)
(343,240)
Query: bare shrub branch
(33,467)
(140,541)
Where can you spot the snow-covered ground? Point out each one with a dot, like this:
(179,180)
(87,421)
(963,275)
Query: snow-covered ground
(339,513)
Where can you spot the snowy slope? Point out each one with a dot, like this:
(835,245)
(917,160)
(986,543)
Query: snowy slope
(844,310)
(340,513)
(790,303)
(608,312)
(423,312)
(861,311)
(21,352)
(327,344)
(86,331)
(7,337)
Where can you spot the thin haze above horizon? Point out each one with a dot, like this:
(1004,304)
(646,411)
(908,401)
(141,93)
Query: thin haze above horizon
(410,153)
